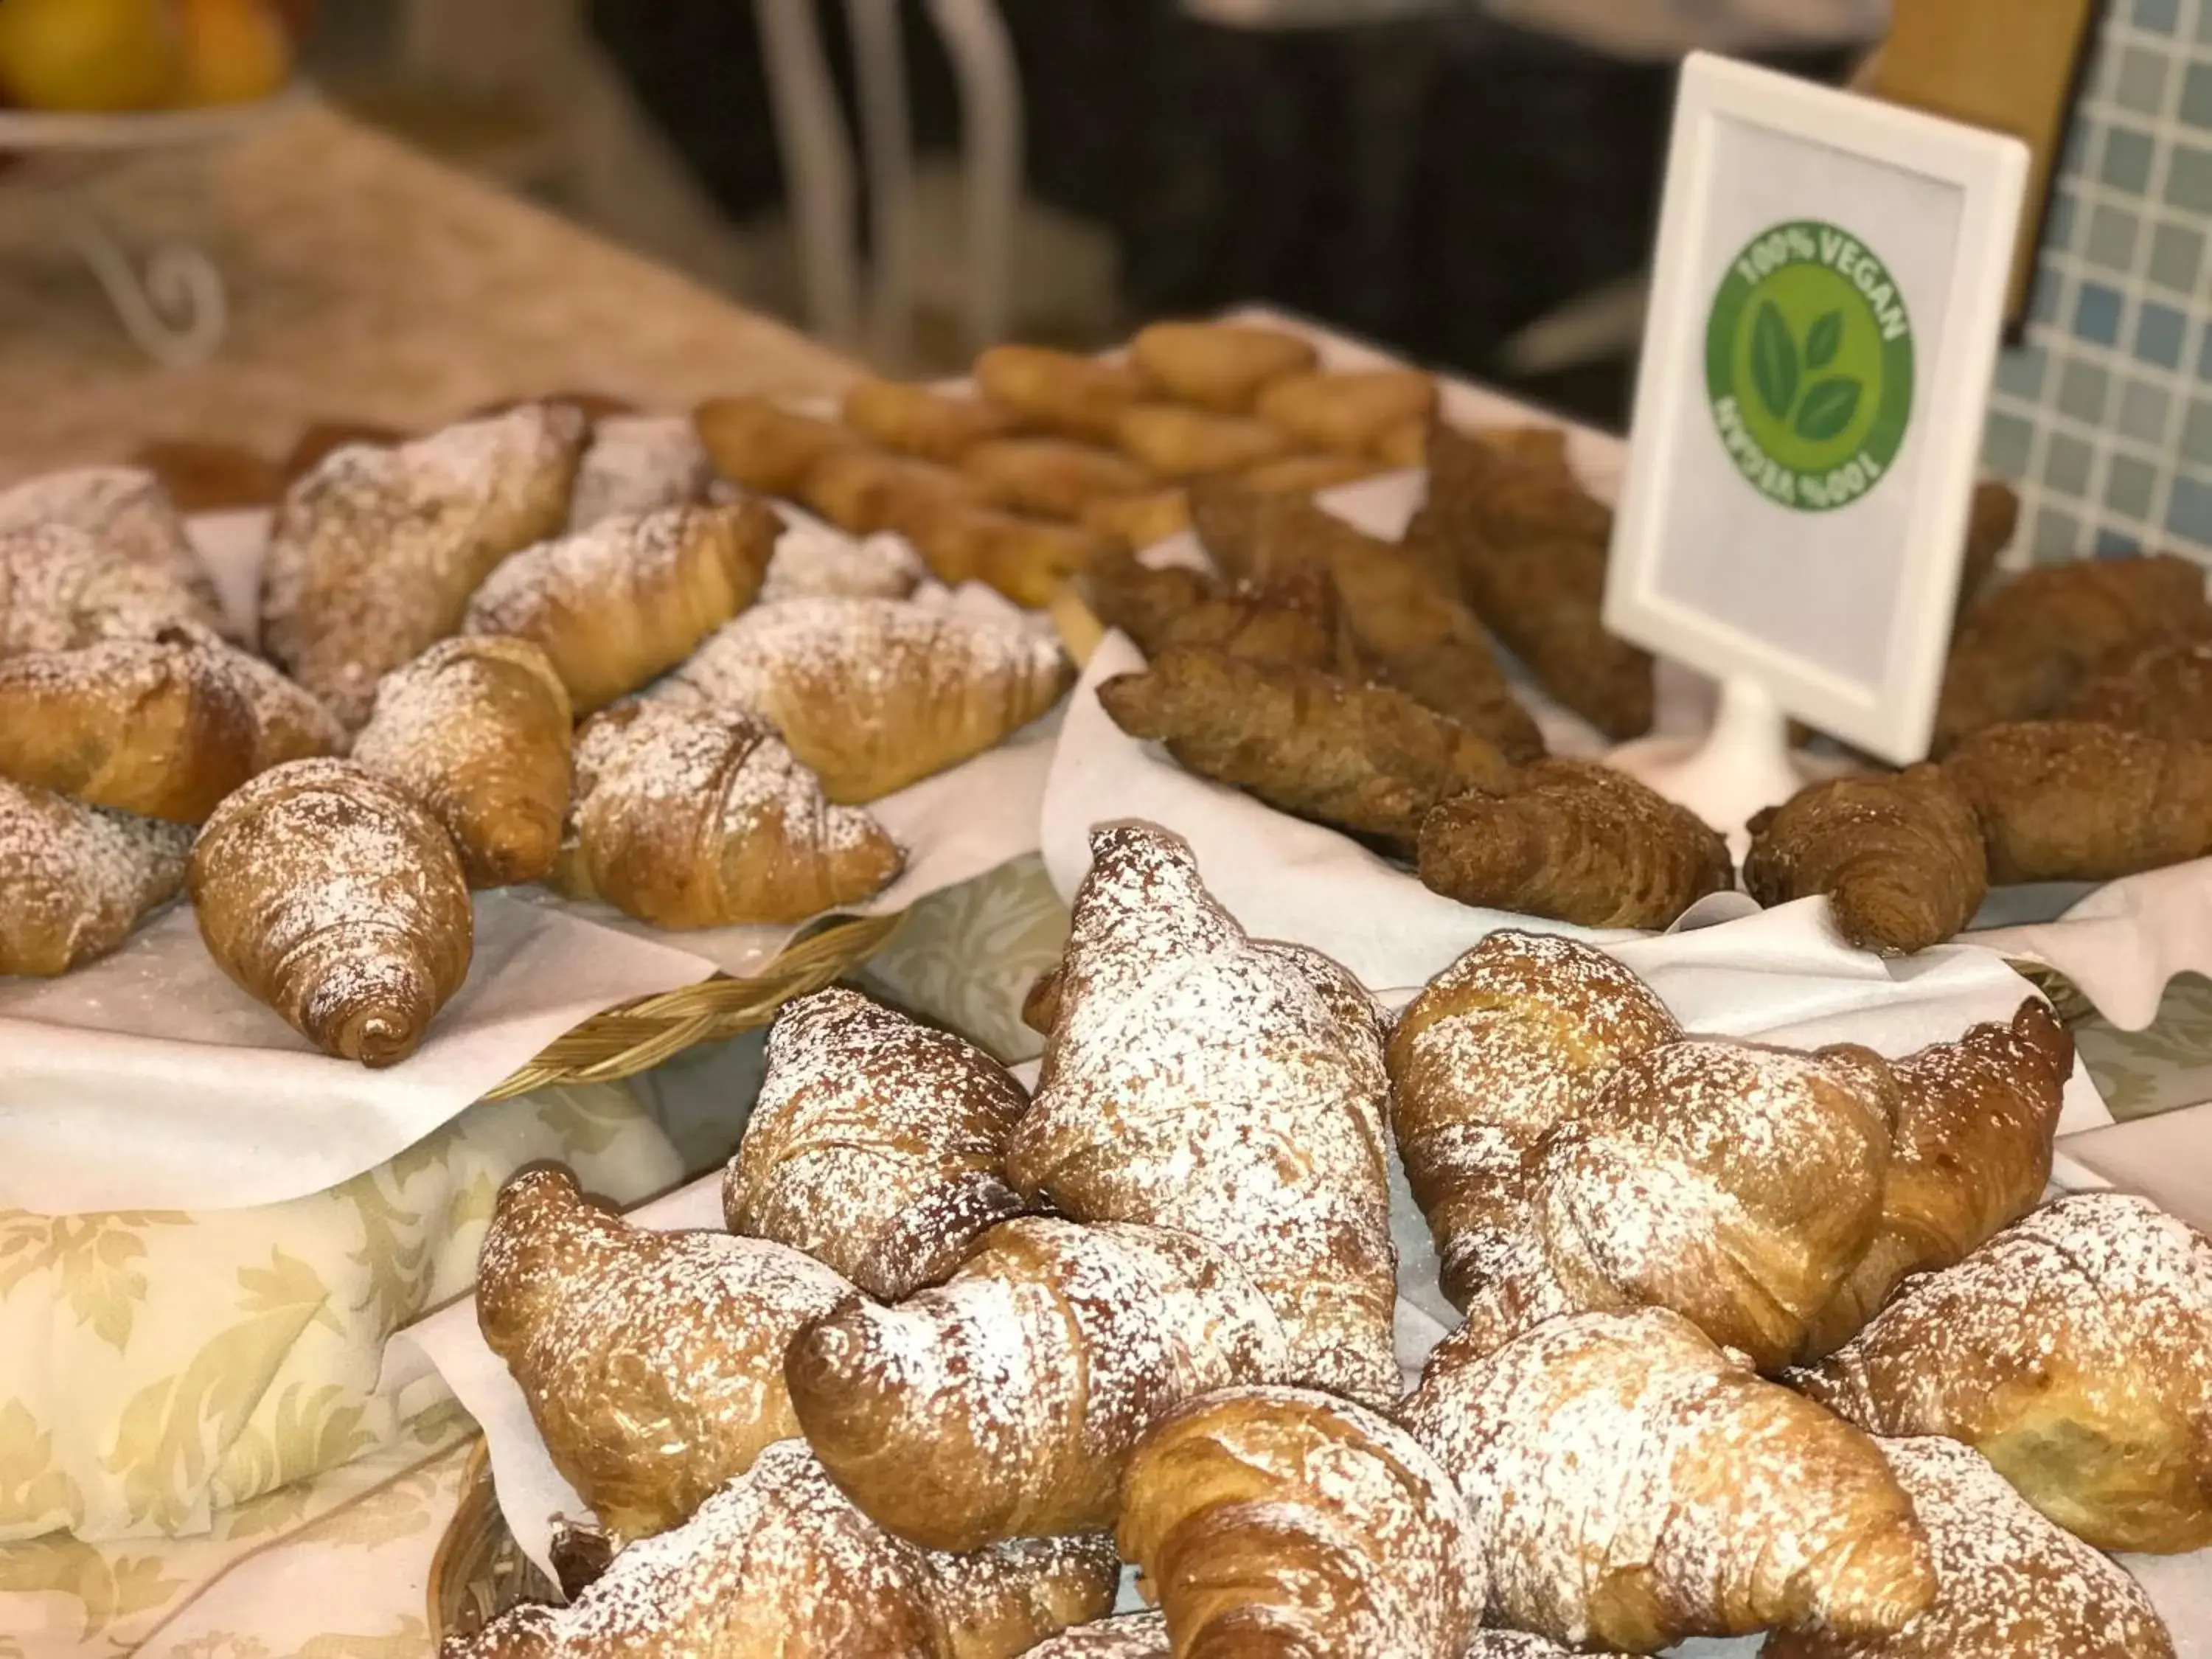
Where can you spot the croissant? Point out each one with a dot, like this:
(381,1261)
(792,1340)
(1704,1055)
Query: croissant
(1363,759)
(1006,1401)
(915,420)
(1519,1644)
(60,589)
(1140,520)
(1899,855)
(2161,690)
(2009,1585)
(620,604)
(697,819)
(876,694)
(1028,559)
(1972,1154)
(867,491)
(810,565)
(1269,1520)
(1058,391)
(74,880)
(1219,366)
(1174,605)
(477,730)
(1175,441)
(375,554)
(777,1566)
(639,464)
(1131,1635)
(2065,800)
(289,722)
(766,447)
(652,1363)
(1991,520)
(338,900)
(1517,1037)
(1052,478)
(1577,841)
(125,510)
(2074,1350)
(1308,475)
(876,1145)
(1347,410)
(1248,1091)
(1633,1484)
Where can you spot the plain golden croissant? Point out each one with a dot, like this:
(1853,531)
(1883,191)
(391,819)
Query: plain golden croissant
(875,694)
(2074,1350)
(652,1363)
(622,603)
(777,1566)
(1059,391)
(2009,1584)
(639,464)
(764,447)
(696,818)
(1517,1037)
(1734,1183)
(60,589)
(337,900)
(918,420)
(2071,800)
(1248,1096)
(1633,1484)
(1006,1401)
(1899,856)
(375,554)
(477,730)
(1221,366)
(74,880)
(124,509)
(1276,1521)
(876,1145)
(1972,1154)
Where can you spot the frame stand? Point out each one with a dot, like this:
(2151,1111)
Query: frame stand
(1736,770)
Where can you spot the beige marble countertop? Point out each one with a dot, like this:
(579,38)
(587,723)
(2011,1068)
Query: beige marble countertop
(367,283)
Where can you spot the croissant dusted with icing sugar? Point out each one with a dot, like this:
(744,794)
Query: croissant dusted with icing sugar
(627,599)
(1515,1038)
(876,694)
(1247,1096)
(60,589)
(125,510)
(375,554)
(1278,1521)
(638,464)
(1632,1485)
(76,880)
(652,1363)
(477,730)
(2074,1350)
(1129,1636)
(777,1566)
(337,900)
(876,1145)
(696,818)
(1006,1401)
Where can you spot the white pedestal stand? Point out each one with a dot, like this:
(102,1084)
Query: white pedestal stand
(1736,770)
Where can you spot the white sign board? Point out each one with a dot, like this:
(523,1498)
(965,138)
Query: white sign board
(1823,326)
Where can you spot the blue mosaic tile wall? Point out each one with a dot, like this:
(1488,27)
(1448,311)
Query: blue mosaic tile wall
(2104,417)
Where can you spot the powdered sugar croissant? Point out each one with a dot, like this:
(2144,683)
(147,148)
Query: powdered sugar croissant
(337,900)
(74,880)
(125,510)
(60,589)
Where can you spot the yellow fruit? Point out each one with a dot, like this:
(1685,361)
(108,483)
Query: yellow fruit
(234,50)
(88,54)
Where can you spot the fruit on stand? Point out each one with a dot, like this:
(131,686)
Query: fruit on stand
(118,55)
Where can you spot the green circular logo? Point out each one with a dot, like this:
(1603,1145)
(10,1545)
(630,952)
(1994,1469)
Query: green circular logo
(1808,362)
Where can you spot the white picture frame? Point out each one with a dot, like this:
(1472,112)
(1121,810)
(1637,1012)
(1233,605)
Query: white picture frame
(1732,580)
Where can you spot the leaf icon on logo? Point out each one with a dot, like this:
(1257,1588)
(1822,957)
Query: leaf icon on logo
(1828,409)
(1773,362)
(1824,340)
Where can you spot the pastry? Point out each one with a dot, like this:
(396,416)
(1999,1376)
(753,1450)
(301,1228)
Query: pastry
(777,1566)
(74,880)
(1247,1093)
(1058,391)
(764,447)
(867,490)
(2009,1584)
(1006,1401)
(1733,1183)
(915,420)
(1177,441)
(1361,758)
(1577,841)
(125,510)
(876,1145)
(1970,1154)
(1899,854)
(1404,444)
(375,554)
(2074,1350)
(1052,477)
(625,601)
(60,589)
(2162,690)
(2026,646)
(652,1363)
(1515,485)
(698,817)
(638,464)
(877,694)
(1992,520)
(2067,800)
(812,563)
(1139,521)
(1130,1636)
(1287,626)
(1269,1520)
(1219,366)
(1307,474)
(477,730)
(1346,410)
(1028,559)
(1519,1644)
(1632,1485)
(338,900)
(1515,1038)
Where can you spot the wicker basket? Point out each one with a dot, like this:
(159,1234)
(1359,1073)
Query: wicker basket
(479,1572)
